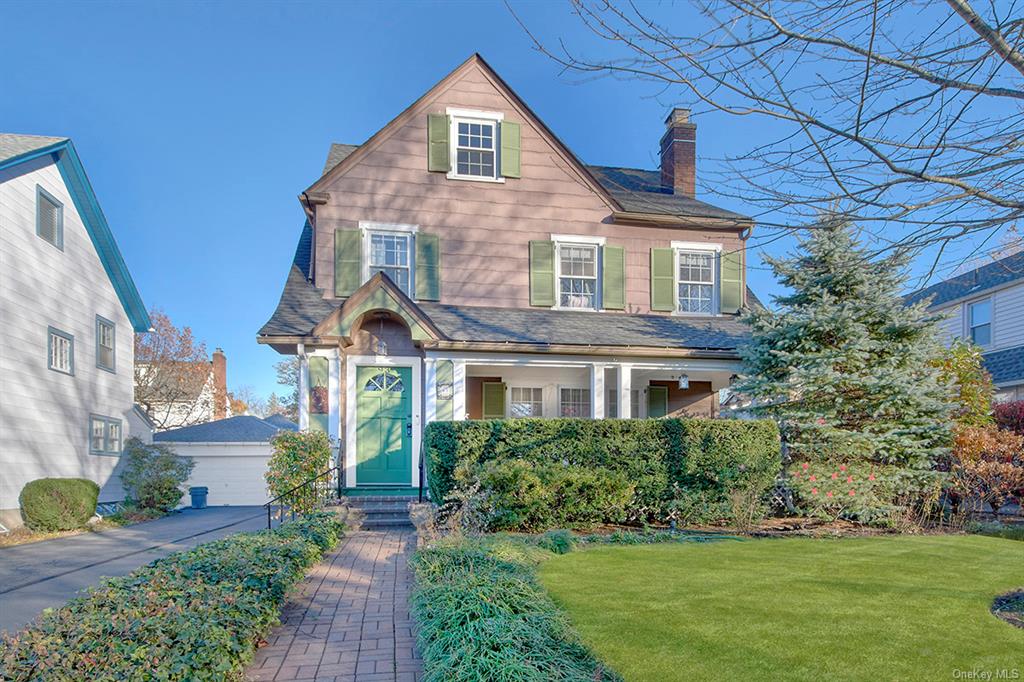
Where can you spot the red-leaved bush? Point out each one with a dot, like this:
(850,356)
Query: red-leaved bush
(1010,416)
(986,464)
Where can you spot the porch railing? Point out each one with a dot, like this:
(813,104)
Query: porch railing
(312,494)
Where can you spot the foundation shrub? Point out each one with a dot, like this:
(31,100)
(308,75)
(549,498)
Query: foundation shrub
(52,504)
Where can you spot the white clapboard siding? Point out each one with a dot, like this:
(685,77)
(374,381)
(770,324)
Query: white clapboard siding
(44,415)
(1008,317)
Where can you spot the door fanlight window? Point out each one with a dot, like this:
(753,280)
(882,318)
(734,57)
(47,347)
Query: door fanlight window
(384,382)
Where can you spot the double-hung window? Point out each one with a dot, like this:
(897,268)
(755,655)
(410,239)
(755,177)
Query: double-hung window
(979,321)
(526,402)
(696,279)
(475,144)
(577,276)
(389,248)
(574,402)
(105,349)
(104,435)
(61,351)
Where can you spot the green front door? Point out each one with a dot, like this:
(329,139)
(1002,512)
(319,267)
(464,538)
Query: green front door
(383,425)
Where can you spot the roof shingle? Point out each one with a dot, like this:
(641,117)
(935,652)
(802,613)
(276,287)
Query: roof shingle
(1003,271)
(241,429)
(12,145)
(1005,366)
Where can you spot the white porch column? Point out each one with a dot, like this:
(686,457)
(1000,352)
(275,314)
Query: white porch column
(459,390)
(430,381)
(334,396)
(625,391)
(303,388)
(597,394)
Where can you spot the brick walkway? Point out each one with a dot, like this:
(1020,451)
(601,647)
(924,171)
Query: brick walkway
(350,619)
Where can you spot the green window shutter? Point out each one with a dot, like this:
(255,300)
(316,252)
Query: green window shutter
(663,279)
(657,401)
(348,266)
(510,153)
(438,158)
(428,267)
(445,375)
(542,273)
(613,278)
(494,400)
(732,281)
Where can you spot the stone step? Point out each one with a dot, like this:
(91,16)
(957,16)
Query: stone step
(366,499)
(386,514)
(387,523)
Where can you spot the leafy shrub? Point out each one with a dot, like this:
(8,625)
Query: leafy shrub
(998,530)
(986,464)
(1010,416)
(49,504)
(557,541)
(662,459)
(961,368)
(153,475)
(483,616)
(194,615)
(298,456)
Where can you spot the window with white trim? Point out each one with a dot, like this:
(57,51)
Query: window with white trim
(476,151)
(391,253)
(696,279)
(49,218)
(61,351)
(574,402)
(634,403)
(104,435)
(577,276)
(526,402)
(105,353)
(979,322)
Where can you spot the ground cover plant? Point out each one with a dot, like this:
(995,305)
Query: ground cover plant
(194,615)
(888,607)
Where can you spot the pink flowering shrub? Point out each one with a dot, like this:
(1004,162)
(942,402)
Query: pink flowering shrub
(830,490)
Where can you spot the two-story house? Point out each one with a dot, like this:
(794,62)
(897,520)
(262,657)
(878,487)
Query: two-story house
(986,306)
(463,263)
(69,310)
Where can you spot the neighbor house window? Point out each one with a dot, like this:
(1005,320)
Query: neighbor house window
(61,349)
(391,253)
(696,281)
(612,403)
(577,276)
(980,322)
(104,344)
(526,402)
(574,402)
(49,218)
(104,435)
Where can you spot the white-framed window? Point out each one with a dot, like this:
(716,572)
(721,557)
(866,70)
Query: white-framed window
(979,322)
(526,402)
(634,403)
(49,218)
(390,248)
(696,280)
(475,144)
(61,351)
(577,276)
(104,435)
(105,344)
(574,402)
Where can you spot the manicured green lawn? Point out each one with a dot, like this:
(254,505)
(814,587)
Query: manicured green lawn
(887,608)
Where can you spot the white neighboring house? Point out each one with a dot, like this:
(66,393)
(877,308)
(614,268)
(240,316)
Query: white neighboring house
(230,456)
(198,404)
(986,305)
(69,312)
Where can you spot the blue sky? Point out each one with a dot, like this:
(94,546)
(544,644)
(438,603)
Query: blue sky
(199,124)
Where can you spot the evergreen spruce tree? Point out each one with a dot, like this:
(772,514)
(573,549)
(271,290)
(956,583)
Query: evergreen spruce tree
(849,372)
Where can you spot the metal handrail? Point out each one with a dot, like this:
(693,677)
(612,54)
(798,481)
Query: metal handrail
(286,501)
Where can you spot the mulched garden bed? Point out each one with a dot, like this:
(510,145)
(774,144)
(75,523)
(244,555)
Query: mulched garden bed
(1010,607)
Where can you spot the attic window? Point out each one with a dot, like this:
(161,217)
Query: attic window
(475,143)
(49,218)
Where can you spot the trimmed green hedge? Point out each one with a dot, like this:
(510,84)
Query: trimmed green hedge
(194,615)
(49,504)
(671,463)
(483,616)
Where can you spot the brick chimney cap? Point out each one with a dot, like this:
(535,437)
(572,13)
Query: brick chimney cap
(219,350)
(677,116)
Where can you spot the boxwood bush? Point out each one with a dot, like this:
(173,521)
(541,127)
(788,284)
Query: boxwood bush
(482,615)
(669,463)
(194,615)
(50,504)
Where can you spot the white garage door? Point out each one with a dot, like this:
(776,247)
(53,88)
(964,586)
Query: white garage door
(235,479)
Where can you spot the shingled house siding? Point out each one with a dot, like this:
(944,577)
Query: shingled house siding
(485,228)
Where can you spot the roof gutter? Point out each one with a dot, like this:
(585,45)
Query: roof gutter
(658,220)
(574,349)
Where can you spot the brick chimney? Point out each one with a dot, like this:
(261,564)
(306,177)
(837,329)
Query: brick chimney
(679,154)
(220,384)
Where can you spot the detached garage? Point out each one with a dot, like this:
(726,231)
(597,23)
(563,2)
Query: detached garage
(230,456)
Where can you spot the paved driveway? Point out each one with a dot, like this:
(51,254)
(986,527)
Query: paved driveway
(43,574)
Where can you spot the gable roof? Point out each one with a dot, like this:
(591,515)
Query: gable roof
(242,429)
(1006,366)
(18,149)
(641,191)
(336,154)
(989,276)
